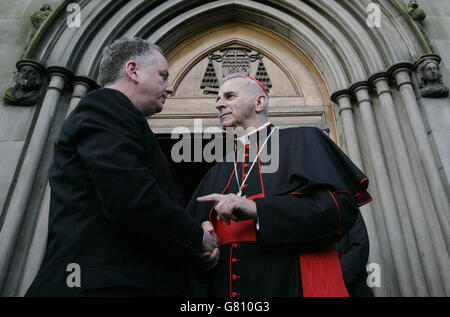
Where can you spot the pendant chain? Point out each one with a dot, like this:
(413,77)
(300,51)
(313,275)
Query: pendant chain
(240,186)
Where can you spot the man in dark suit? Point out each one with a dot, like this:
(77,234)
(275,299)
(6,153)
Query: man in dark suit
(116,216)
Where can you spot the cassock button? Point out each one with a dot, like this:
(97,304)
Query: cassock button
(246,165)
(235,245)
(234,260)
(235,277)
(245,175)
(234,294)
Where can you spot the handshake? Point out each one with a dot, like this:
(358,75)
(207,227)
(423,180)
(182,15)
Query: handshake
(229,207)
(210,255)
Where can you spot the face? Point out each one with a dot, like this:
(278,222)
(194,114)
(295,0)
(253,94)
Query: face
(152,85)
(413,4)
(236,104)
(28,78)
(431,72)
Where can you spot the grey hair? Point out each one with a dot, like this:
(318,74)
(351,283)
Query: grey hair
(252,84)
(117,54)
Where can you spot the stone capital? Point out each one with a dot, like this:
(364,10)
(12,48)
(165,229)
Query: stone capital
(402,66)
(373,79)
(341,93)
(89,82)
(64,72)
(359,85)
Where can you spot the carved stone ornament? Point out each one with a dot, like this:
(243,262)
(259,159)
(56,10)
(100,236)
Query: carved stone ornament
(40,16)
(415,12)
(233,59)
(430,78)
(28,83)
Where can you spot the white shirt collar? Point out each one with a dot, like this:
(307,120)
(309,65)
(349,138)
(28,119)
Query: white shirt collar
(244,139)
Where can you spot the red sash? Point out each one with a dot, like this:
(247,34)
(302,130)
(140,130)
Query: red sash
(321,272)
(236,231)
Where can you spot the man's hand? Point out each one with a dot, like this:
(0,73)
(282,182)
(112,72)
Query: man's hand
(232,207)
(210,238)
(210,256)
(208,260)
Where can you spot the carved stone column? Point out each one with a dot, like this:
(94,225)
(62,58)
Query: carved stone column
(38,243)
(401,72)
(431,258)
(81,85)
(342,98)
(14,218)
(391,219)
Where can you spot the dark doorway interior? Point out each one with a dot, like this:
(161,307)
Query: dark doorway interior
(187,174)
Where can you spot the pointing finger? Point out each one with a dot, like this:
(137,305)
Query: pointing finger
(212,197)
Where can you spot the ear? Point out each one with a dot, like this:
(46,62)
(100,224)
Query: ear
(261,101)
(131,70)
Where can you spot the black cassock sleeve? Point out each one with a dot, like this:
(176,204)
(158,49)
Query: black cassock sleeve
(304,222)
(111,146)
(318,202)
(356,254)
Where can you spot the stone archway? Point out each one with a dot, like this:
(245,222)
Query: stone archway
(356,64)
(298,93)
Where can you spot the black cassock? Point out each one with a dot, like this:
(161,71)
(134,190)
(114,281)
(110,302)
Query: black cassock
(309,203)
(353,251)
(114,211)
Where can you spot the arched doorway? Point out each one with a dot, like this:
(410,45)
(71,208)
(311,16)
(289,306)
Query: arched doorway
(310,49)
(298,94)
(197,65)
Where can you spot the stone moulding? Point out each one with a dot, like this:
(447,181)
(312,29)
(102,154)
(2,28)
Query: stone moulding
(414,26)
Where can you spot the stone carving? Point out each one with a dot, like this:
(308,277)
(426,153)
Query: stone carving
(430,79)
(233,59)
(40,16)
(210,82)
(418,15)
(415,12)
(27,88)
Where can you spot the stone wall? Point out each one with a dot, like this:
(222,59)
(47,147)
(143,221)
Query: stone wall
(437,111)
(15,122)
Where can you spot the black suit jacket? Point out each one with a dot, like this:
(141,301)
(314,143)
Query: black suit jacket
(115,210)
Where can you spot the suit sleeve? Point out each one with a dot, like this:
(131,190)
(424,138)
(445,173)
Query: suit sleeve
(129,194)
(302,222)
(200,210)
